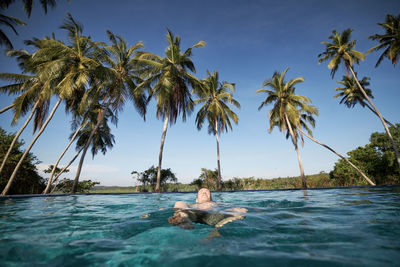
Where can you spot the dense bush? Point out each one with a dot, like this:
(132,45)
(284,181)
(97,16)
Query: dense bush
(27,181)
(376,159)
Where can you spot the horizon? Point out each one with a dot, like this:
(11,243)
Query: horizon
(246,43)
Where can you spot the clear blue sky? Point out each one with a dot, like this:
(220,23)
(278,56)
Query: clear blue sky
(246,42)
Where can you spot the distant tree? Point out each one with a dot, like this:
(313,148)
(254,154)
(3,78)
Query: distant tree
(390,41)
(208,178)
(149,177)
(377,159)
(28,181)
(65,186)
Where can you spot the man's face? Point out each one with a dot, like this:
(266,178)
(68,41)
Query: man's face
(203,196)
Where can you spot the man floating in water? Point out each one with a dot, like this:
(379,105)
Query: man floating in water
(202,212)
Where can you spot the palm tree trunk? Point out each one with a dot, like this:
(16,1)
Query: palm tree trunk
(66,167)
(17,135)
(29,148)
(218,159)
(164,133)
(373,111)
(85,148)
(303,177)
(59,159)
(379,115)
(6,108)
(337,154)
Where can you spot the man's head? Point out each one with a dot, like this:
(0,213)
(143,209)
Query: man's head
(204,195)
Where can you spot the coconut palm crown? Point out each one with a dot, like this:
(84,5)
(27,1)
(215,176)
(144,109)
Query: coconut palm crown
(350,93)
(340,50)
(215,98)
(388,42)
(171,78)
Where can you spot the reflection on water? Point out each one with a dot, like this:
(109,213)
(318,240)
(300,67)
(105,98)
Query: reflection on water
(313,227)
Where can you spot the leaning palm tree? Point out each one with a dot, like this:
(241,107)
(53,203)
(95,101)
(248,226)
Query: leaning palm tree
(341,51)
(63,70)
(119,86)
(215,98)
(390,41)
(171,78)
(31,96)
(290,112)
(351,95)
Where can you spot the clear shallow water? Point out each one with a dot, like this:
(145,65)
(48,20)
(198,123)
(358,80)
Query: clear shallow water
(337,227)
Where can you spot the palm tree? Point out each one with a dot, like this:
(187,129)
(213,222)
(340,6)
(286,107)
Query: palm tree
(171,78)
(30,90)
(352,96)
(290,112)
(121,85)
(63,71)
(341,50)
(390,41)
(215,110)
(11,22)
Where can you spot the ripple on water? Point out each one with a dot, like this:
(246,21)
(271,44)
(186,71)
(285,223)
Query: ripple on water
(320,227)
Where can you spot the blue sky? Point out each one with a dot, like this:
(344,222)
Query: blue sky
(246,42)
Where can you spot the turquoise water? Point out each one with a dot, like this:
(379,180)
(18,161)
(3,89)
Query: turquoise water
(337,227)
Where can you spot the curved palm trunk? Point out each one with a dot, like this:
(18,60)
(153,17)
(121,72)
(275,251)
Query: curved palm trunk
(164,133)
(6,108)
(303,177)
(59,159)
(63,169)
(85,148)
(379,115)
(17,135)
(373,111)
(337,154)
(29,148)
(218,160)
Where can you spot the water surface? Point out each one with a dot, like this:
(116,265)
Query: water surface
(336,227)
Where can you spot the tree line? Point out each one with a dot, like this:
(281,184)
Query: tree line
(95,79)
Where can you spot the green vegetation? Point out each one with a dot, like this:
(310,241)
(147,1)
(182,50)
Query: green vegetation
(377,159)
(95,80)
(148,179)
(28,181)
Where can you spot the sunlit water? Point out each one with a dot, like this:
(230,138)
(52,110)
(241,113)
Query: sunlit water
(337,227)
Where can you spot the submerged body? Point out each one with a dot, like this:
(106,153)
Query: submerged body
(202,212)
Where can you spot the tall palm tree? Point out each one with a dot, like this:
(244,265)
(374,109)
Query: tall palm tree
(63,70)
(339,51)
(30,97)
(119,86)
(390,41)
(290,112)
(215,98)
(171,78)
(352,96)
